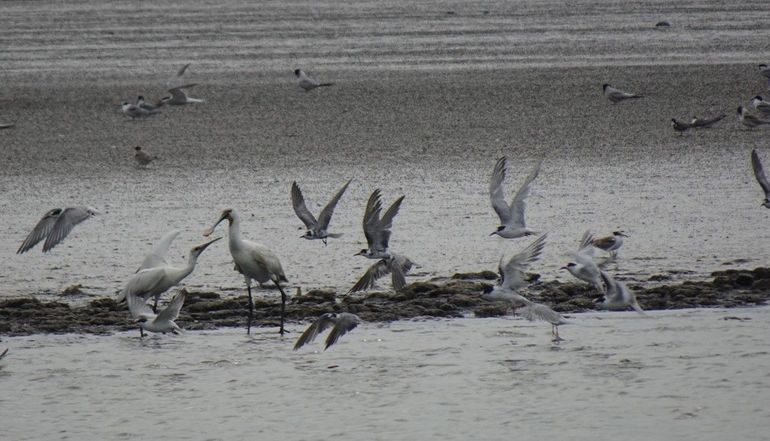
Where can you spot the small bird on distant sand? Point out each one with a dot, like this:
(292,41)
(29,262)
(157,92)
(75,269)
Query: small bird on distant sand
(179,96)
(512,224)
(750,120)
(680,126)
(617,95)
(142,158)
(761,105)
(55,225)
(610,244)
(764,70)
(135,111)
(759,173)
(342,323)
(705,123)
(307,83)
(6,125)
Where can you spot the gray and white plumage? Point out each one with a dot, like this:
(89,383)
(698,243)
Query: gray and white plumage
(618,296)
(376,228)
(610,244)
(55,225)
(750,120)
(537,311)
(142,158)
(316,228)
(157,256)
(253,260)
(512,272)
(617,95)
(764,70)
(179,96)
(584,267)
(150,107)
(512,223)
(680,126)
(705,123)
(135,111)
(761,105)
(307,83)
(341,323)
(395,264)
(152,282)
(759,173)
(149,321)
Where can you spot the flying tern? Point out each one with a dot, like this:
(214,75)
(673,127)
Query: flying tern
(341,323)
(55,225)
(149,321)
(512,224)
(316,228)
(584,267)
(619,297)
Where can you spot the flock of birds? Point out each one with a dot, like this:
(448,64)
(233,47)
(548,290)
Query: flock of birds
(256,262)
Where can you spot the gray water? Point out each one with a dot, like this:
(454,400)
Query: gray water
(688,375)
(427,97)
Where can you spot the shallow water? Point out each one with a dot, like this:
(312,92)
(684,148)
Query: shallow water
(688,374)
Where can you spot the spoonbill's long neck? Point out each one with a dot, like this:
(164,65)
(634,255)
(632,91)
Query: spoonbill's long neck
(179,274)
(234,232)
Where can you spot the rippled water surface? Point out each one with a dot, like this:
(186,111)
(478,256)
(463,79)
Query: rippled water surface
(690,375)
(427,96)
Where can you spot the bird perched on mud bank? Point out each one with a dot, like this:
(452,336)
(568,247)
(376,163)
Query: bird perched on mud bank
(307,83)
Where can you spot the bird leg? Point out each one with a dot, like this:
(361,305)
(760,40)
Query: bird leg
(141,332)
(155,306)
(283,306)
(251,310)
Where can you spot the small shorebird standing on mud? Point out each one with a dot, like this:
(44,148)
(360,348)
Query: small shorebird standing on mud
(610,244)
(142,158)
(617,95)
(307,83)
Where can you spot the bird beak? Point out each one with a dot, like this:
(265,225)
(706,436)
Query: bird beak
(564,267)
(207,232)
(205,245)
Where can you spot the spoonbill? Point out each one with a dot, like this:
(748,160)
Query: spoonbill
(253,260)
(152,282)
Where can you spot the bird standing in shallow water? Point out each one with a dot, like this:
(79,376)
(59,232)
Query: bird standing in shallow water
(253,260)
(512,224)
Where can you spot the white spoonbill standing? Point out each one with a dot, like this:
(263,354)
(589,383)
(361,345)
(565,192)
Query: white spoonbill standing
(253,260)
(152,282)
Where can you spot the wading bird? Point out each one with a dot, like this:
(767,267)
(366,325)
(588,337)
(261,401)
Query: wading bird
(154,281)
(253,260)
(55,226)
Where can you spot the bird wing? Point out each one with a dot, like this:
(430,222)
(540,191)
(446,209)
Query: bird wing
(298,201)
(157,257)
(322,323)
(267,260)
(326,214)
(386,223)
(371,223)
(613,291)
(41,230)
(759,173)
(64,224)
(171,312)
(496,195)
(538,311)
(399,266)
(604,242)
(138,307)
(519,202)
(513,271)
(182,70)
(379,269)
(143,283)
(586,243)
(178,93)
(346,322)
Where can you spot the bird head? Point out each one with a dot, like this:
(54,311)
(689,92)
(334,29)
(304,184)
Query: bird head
(141,319)
(605,86)
(763,66)
(619,233)
(140,98)
(758,97)
(308,235)
(92,211)
(569,266)
(137,148)
(740,110)
(198,249)
(227,213)
(766,203)
(499,229)
(364,252)
(297,72)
